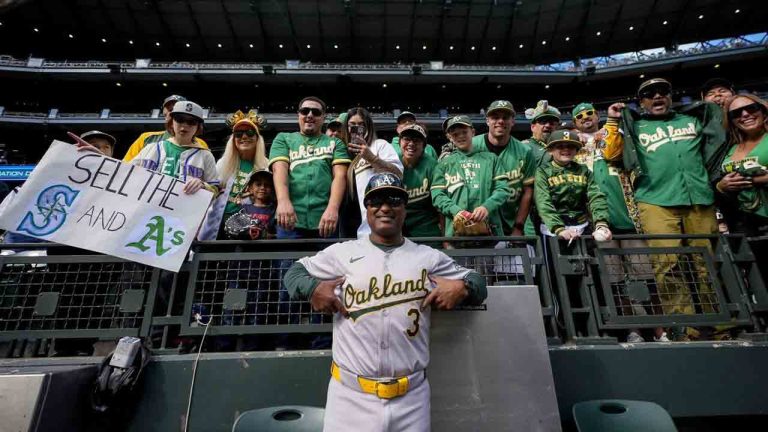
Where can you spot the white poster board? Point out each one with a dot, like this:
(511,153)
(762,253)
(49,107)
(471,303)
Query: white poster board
(87,200)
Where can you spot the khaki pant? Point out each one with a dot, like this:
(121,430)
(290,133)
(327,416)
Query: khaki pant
(673,287)
(623,268)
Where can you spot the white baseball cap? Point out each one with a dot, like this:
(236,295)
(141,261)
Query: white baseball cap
(189,108)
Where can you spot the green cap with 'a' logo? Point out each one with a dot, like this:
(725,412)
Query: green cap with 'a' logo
(500,105)
(564,136)
(584,106)
(458,120)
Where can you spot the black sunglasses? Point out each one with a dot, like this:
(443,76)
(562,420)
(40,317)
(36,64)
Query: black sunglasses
(588,113)
(187,120)
(651,92)
(380,200)
(250,132)
(317,112)
(752,108)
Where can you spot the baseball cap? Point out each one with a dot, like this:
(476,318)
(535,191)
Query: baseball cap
(174,99)
(405,114)
(341,119)
(415,130)
(99,134)
(500,105)
(385,183)
(564,136)
(251,119)
(716,82)
(543,109)
(584,106)
(189,108)
(457,120)
(661,82)
(256,174)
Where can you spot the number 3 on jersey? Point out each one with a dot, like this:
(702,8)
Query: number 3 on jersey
(414,330)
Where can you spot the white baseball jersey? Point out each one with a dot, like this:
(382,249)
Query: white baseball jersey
(387,333)
(364,172)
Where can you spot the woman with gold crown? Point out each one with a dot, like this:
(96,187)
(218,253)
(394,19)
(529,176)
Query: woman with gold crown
(245,153)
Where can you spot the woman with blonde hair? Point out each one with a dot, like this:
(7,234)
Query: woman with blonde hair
(745,176)
(245,153)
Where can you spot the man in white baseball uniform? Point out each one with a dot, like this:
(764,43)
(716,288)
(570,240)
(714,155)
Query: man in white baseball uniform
(380,290)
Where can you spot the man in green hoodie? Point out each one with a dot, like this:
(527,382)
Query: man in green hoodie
(671,156)
(469,180)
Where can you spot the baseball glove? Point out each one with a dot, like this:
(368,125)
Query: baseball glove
(463,226)
(241,226)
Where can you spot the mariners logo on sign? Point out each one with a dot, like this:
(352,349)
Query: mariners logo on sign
(51,211)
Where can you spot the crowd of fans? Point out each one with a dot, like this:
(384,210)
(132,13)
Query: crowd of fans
(654,171)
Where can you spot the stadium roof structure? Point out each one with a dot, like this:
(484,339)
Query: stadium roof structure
(364,31)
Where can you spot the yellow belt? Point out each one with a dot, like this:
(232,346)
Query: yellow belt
(383,389)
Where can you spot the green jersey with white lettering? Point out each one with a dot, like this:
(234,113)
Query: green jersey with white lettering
(421,218)
(465,181)
(670,150)
(238,184)
(518,163)
(173,153)
(310,163)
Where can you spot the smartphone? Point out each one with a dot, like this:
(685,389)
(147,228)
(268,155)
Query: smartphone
(358,130)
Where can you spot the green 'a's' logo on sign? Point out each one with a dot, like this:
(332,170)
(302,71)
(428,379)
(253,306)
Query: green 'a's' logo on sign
(156,232)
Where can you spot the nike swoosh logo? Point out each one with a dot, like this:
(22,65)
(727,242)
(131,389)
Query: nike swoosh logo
(351,260)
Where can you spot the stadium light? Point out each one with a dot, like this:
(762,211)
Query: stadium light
(335,46)
(450,47)
(472,47)
(384,85)
(105,40)
(521,45)
(187,44)
(567,38)
(701,16)
(37,30)
(71,36)
(631,28)
(397,47)
(546,86)
(165,84)
(717,66)
(665,22)
(598,33)
(493,48)
(157,44)
(218,45)
(737,11)
(250,45)
(130,42)
(280,46)
(423,47)
(498,86)
(543,42)
(118,84)
(642,76)
(1,23)
(309,46)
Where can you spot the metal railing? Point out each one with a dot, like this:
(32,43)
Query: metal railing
(594,294)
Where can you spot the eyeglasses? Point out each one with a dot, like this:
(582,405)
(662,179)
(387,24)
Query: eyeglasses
(752,108)
(651,92)
(587,113)
(190,121)
(380,200)
(317,112)
(547,120)
(250,132)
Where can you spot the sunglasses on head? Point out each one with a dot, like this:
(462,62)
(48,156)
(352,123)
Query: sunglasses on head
(317,112)
(190,121)
(651,92)
(379,200)
(587,113)
(249,132)
(752,108)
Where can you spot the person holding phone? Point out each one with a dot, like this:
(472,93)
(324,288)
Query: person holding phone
(369,156)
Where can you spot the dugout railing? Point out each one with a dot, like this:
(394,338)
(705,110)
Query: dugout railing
(587,293)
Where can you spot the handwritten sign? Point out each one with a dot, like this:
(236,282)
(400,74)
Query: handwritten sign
(94,202)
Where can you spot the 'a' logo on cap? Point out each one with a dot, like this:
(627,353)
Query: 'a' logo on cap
(189,107)
(503,103)
(388,180)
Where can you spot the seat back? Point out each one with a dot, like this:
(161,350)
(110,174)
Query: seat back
(616,415)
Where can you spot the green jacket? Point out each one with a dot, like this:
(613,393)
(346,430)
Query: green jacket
(421,218)
(713,148)
(567,195)
(465,181)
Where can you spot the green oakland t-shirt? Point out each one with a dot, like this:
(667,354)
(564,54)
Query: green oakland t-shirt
(421,218)
(518,163)
(310,164)
(237,187)
(670,151)
(173,153)
(755,199)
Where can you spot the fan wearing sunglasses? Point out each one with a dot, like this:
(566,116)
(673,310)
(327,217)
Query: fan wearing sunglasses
(744,168)
(309,171)
(670,154)
(244,153)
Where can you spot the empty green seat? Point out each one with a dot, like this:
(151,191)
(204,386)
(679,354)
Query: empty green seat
(288,418)
(616,415)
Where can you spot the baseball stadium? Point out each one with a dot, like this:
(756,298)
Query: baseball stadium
(241,215)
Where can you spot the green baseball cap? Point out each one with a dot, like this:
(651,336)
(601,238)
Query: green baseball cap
(543,109)
(458,120)
(584,106)
(500,105)
(338,120)
(406,114)
(564,136)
